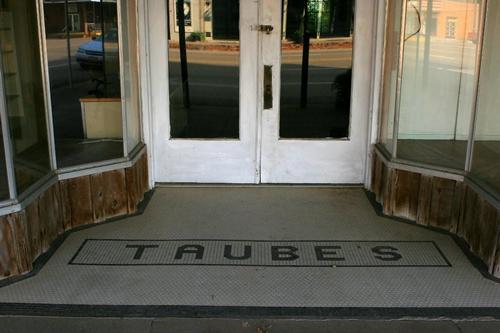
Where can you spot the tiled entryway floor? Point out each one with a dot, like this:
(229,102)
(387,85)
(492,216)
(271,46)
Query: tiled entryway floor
(290,247)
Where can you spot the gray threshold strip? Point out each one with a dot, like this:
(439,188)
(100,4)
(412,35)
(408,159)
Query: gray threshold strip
(252,312)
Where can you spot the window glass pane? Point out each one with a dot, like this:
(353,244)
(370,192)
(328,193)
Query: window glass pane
(316,68)
(23,88)
(84,69)
(437,85)
(486,159)
(391,62)
(203,59)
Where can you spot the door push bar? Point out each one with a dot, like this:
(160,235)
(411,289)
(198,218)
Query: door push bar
(268,87)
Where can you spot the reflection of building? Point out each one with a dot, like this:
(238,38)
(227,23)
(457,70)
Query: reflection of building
(83,16)
(218,19)
(450,19)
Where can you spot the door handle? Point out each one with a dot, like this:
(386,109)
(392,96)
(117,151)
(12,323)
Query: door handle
(263,28)
(268,87)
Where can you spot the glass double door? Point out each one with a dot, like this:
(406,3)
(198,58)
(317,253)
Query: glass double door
(263,91)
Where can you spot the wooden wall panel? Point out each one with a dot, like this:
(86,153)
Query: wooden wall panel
(132,183)
(80,200)
(404,194)
(424,200)
(15,251)
(48,219)
(8,264)
(34,229)
(22,246)
(457,211)
(64,199)
(441,203)
(443,192)
(109,195)
(470,213)
(496,263)
(486,234)
(142,169)
(386,190)
(377,177)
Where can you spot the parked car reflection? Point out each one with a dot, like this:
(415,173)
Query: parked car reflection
(92,53)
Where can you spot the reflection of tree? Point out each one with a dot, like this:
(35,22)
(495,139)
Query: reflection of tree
(326,18)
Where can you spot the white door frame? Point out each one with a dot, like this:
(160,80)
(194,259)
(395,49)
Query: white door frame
(322,161)
(154,69)
(202,160)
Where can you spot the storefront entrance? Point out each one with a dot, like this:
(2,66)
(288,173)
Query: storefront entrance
(284,100)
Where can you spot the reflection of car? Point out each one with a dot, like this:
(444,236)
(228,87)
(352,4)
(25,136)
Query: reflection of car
(90,54)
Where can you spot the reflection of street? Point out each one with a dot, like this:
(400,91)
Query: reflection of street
(444,53)
(57,48)
(214,82)
(58,62)
(66,106)
(217,69)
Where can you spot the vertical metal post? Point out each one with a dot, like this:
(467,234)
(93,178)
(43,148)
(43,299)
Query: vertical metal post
(182,51)
(399,81)
(427,43)
(475,94)
(284,11)
(122,13)
(103,39)
(305,59)
(7,140)
(461,75)
(68,43)
(42,42)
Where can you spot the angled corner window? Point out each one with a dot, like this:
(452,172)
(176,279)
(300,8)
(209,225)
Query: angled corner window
(23,92)
(93,79)
(390,72)
(486,157)
(438,78)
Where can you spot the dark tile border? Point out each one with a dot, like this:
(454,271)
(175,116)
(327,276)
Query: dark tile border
(254,241)
(247,312)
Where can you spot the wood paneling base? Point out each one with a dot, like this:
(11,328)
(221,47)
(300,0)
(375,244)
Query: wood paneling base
(67,204)
(445,204)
